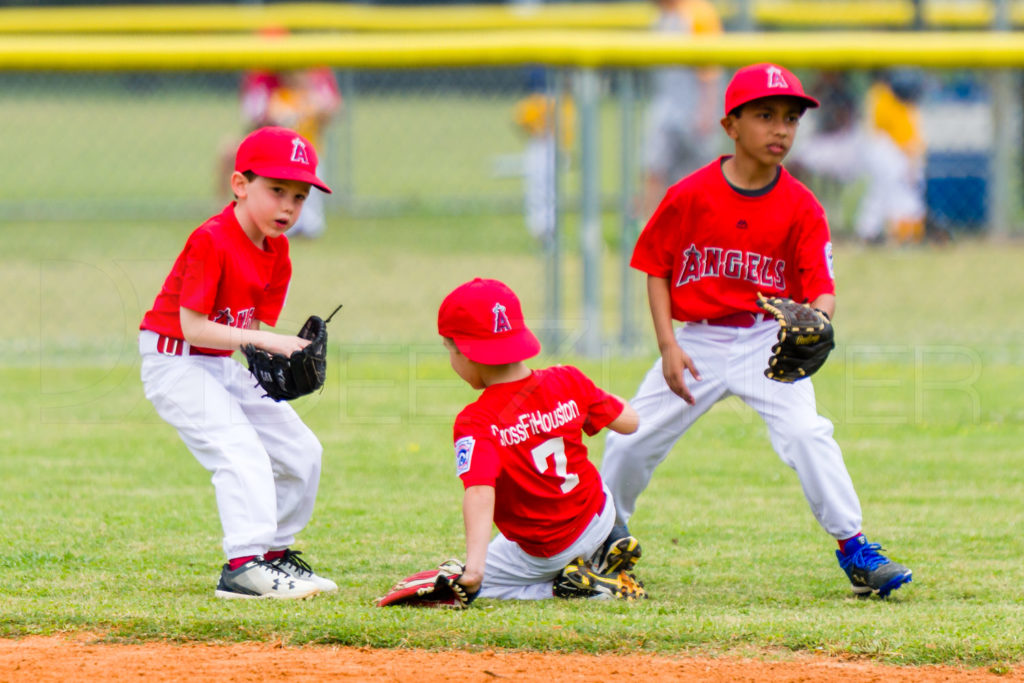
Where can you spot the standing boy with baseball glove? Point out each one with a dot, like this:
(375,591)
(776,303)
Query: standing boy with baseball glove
(231,277)
(739,228)
(520,454)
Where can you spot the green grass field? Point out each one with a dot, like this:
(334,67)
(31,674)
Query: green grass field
(110,525)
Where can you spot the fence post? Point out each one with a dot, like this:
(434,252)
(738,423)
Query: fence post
(627,209)
(1003,82)
(344,169)
(590,214)
(745,19)
(553,242)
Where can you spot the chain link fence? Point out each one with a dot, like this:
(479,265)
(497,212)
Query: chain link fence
(135,144)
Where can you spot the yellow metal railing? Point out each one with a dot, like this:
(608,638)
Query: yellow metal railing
(233,18)
(509,48)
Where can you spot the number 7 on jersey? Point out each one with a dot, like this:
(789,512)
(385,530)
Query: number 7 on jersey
(555,447)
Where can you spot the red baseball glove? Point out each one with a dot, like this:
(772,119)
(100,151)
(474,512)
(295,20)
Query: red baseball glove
(431,588)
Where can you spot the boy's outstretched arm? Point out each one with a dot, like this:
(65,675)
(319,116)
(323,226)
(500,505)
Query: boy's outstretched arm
(628,420)
(478,514)
(673,359)
(201,331)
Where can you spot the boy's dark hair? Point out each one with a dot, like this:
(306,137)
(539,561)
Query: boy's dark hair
(250,176)
(736,111)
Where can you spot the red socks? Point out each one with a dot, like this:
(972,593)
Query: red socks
(271,555)
(236,562)
(854,541)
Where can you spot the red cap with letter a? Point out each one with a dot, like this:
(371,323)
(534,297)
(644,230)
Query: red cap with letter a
(274,152)
(485,320)
(764,80)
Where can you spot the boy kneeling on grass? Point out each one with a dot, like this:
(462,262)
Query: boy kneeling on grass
(520,454)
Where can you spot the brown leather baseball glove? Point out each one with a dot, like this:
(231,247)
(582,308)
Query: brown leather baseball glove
(805,338)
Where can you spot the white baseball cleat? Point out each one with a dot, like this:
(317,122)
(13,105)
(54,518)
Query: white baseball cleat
(293,565)
(258,579)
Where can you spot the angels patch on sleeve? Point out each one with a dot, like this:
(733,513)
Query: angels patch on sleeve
(463,454)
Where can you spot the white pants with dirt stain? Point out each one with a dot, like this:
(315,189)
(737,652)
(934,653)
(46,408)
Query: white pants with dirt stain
(264,460)
(731,361)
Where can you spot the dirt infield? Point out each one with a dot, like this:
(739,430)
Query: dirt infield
(81,658)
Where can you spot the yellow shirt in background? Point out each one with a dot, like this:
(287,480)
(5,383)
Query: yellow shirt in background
(533,114)
(703,19)
(896,118)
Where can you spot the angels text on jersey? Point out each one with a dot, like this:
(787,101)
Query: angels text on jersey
(242,319)
(734,264)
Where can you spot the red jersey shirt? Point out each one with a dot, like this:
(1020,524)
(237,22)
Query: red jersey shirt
(221,273)
(525,439)
(719,246)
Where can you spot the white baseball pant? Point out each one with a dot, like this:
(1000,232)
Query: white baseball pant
(264,460)
(539,185)
(895,188)
(512,574)
(731,361)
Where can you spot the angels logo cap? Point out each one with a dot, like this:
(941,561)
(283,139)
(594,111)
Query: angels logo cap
(275,152)
(764,80)
(485,320)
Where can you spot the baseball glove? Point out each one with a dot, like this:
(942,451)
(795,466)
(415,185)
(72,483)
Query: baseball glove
(805,339)
(431,588)
(288,377)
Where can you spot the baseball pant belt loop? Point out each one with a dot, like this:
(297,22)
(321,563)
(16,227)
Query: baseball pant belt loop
(169,346)
(741,319)
(154,342)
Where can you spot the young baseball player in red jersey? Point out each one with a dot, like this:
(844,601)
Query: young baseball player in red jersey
(233,275)
(739,226)
(519,451)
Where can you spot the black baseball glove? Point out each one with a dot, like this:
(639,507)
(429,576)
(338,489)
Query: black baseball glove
(431,588)
(288,377)
(806,338)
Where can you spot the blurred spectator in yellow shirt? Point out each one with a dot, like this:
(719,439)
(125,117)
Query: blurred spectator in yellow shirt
(893,205)
(883,147)
(534,115)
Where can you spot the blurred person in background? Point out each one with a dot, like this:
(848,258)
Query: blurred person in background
(304,100)
(829,159)
(681,122)
(534,116)
(882,147)
(893,206)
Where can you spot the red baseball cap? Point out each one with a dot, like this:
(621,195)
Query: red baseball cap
(764,80)
(274,152)
(485,320)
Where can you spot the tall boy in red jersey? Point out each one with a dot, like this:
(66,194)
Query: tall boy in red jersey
(520,454)
(741,226)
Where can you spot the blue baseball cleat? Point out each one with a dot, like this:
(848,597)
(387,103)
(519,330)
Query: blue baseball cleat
(870,571)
